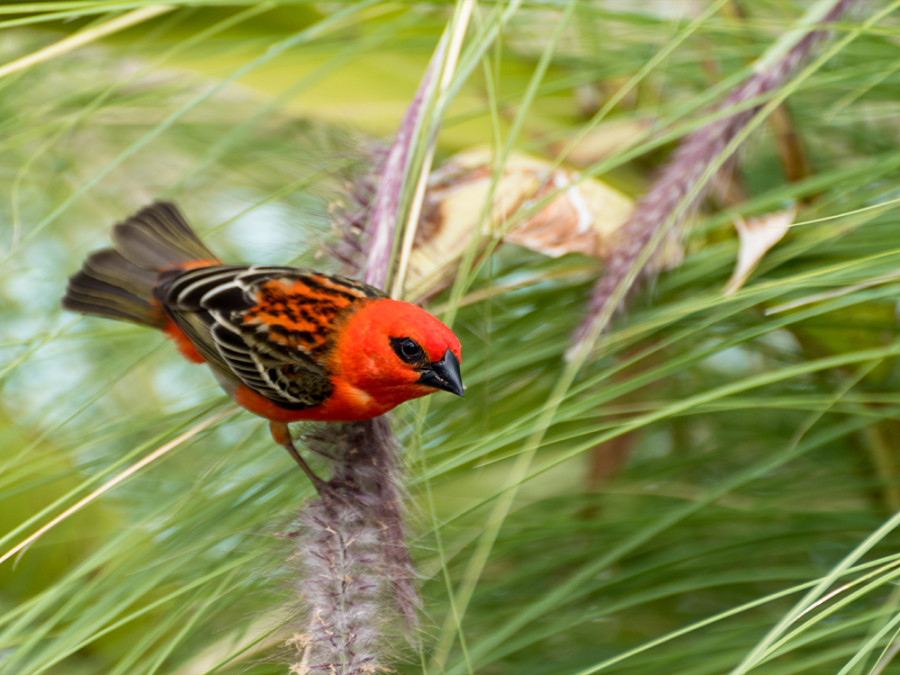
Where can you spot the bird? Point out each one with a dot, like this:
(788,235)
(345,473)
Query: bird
(286,343)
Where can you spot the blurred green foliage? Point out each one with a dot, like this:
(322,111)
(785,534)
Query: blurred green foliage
(709,464)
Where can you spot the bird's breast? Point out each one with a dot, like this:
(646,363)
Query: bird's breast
(346,404)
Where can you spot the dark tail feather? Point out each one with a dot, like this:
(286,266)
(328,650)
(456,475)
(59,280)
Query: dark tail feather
(118,282)
(158,236)
(110,286)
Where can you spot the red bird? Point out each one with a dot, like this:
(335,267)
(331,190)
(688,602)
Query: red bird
(287,344)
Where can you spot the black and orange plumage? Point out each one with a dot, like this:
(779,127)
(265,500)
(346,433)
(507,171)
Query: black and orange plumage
(286,343)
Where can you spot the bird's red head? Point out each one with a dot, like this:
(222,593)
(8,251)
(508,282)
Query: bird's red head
(391,351)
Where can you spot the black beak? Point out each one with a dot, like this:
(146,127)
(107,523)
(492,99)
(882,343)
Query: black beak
(444,374)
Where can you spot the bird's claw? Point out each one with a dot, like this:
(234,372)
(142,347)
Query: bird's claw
(334,489)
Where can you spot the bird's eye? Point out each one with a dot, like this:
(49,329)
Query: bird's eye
(407,349)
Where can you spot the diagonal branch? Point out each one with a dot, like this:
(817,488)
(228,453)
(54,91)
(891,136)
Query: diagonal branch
(688,176)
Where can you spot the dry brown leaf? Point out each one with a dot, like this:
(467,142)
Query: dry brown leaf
(581,218)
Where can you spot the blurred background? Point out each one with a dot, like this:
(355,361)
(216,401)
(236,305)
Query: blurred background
(716,459)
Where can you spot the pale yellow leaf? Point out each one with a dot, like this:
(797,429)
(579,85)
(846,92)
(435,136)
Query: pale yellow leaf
(757,236)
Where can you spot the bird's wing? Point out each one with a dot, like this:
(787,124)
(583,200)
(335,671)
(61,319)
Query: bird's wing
(269,327)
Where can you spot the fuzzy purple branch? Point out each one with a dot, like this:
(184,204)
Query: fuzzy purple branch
(357,578)
(667,204)
(383,220)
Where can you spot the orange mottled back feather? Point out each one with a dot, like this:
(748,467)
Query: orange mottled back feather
(300,313)
(286,343)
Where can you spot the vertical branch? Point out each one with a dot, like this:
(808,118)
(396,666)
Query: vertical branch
(356,567)
(386,205)
(357,576)
(686,179)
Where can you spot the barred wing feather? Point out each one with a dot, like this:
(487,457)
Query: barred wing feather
(269,327)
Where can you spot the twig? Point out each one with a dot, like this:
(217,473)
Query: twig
(115,480)
(92,34)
